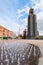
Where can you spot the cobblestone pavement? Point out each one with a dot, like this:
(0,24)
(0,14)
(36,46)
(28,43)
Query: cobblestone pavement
(19,54)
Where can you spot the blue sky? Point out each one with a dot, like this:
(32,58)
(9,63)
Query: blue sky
(14,14)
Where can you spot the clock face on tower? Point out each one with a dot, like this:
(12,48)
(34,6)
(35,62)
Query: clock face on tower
(31,11)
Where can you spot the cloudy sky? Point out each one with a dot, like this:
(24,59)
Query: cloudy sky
(14,14)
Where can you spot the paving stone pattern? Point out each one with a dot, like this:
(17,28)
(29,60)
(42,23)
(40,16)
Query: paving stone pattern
(19,54)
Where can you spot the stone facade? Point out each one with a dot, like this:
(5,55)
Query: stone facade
(32,25)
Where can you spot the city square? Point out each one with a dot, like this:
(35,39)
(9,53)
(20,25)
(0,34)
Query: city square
(21,32)
(20,52)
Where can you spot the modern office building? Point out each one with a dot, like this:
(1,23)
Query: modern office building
(32,25)
(6,33)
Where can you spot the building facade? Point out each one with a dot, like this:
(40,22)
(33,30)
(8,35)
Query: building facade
(5,33)
(32,25)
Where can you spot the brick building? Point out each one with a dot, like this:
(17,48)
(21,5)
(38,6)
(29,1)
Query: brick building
(5,33)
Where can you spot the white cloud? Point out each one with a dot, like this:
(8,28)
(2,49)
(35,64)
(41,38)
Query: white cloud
(24,25)
(10,24)
(41,32)
(20,10)
(25,9)
(39,16)
(35,1)
(40,7)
